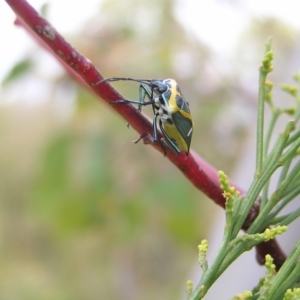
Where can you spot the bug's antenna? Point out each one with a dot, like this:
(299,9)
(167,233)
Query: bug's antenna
(146,81)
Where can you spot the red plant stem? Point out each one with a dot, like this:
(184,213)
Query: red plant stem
(198,172)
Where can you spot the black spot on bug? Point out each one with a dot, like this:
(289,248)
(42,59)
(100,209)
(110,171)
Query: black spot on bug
(182,103)
(179,101)
(178,89)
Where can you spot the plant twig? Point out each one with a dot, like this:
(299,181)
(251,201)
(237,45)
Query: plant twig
(195,169)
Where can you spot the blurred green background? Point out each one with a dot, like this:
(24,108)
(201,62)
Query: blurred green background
(87,214)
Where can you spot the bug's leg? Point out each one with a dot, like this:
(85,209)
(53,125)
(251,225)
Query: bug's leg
(145,91)
(142,96)
(154,125)
(152,139)
(155,139)
(154,128)
(146,134)
(124,101)
(164,148)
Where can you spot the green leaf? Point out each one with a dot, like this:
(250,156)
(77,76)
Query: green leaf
(19,69)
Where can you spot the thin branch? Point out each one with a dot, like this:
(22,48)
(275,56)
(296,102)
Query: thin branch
(195,169)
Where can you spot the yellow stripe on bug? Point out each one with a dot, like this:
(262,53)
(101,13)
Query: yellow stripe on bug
(176,137)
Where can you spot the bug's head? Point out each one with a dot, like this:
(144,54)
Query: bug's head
(159,86)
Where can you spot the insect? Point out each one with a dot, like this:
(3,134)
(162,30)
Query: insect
(171,111)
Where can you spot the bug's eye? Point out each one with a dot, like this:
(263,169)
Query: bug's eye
(160,86)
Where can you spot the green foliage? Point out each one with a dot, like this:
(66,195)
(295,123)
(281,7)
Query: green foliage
(20,69)
(273,286)
(292,294)
(203,248)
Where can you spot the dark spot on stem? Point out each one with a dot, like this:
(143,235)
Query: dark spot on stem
(49,32)
(38,29)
